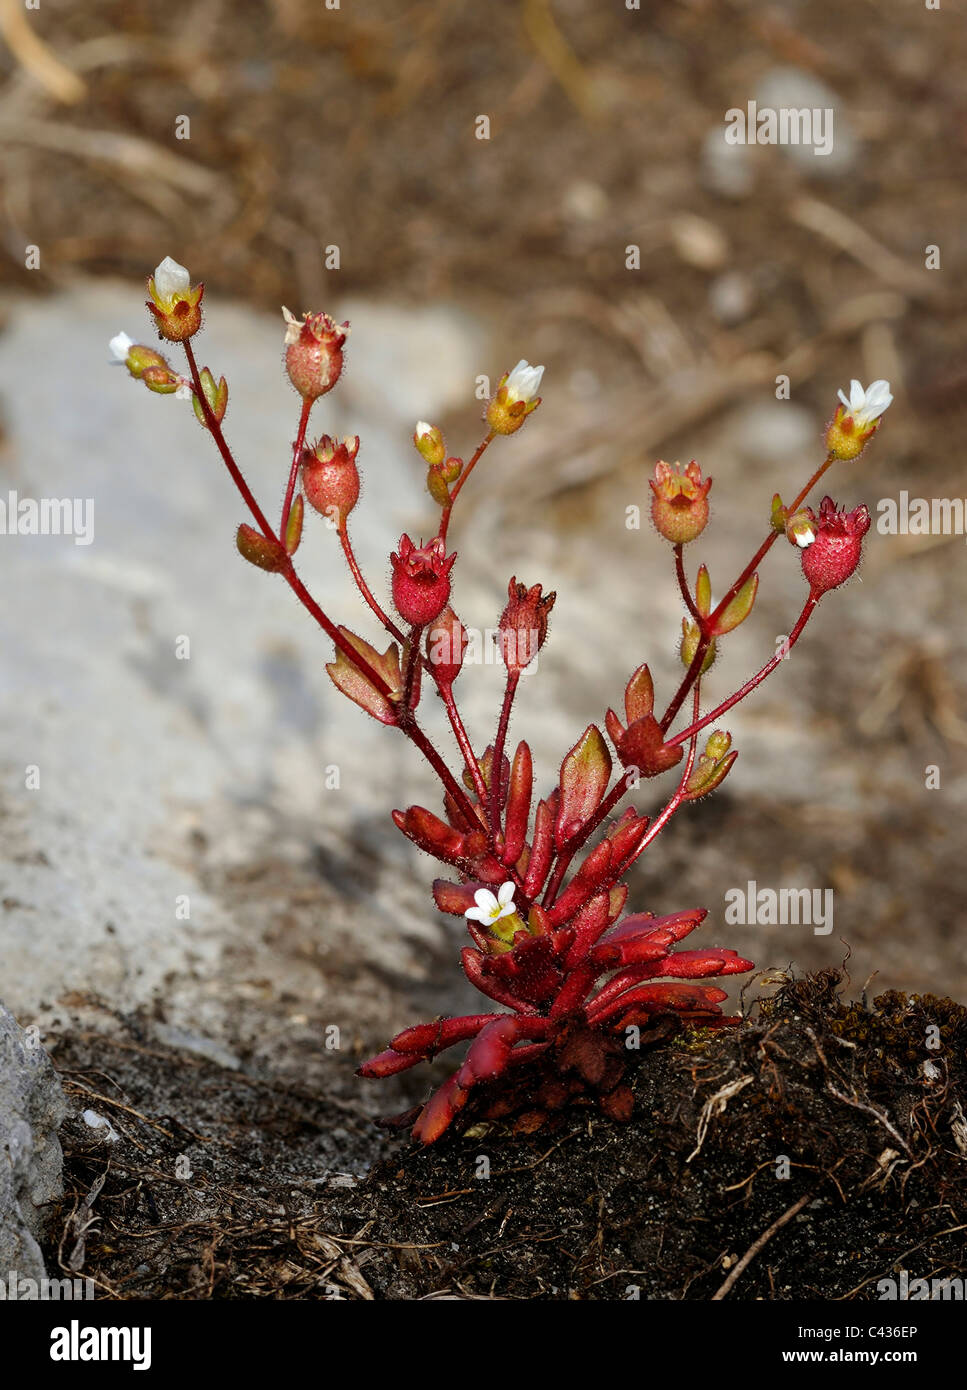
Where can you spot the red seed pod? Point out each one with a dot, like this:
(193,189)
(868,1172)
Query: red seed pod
(835,552)
(679,507)
(446,643)
(313,352)
(330,477)
(421,580)
(523,625)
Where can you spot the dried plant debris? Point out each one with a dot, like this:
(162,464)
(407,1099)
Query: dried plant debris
(815,1152)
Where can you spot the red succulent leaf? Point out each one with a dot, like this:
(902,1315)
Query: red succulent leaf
(430,833)
(542,848)
(531,971)
(518,805)
(585,774)
(584,884)
(587,926)
(454,898)
(476,968)
(388,1063)
(639,695)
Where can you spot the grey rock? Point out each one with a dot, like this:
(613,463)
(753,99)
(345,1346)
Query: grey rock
(32,1107)
(724,169)
(792,89)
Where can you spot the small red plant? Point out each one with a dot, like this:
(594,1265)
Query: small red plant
(539,879)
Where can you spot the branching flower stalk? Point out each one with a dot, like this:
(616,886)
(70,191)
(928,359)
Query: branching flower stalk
(581,988)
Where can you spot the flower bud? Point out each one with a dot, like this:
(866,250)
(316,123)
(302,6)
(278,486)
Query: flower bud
(135,356)
(835,552)
(515,398)
(162,380)
(330,477)
(313,352)
(439,477)
(800,527)
(446,643)
(429,441)
(175,303)
(523,625)
(421,580)
(857,419)
(679,507)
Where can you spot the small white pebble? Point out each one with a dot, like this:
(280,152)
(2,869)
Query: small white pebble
(96,1121)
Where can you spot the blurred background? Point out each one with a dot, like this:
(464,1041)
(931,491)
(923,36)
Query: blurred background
(666,279)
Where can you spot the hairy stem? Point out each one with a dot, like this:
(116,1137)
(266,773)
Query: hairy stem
(707,624)
(297,448)
(510,690)
(448,509)
(753,681)
(463,739)
(362,586)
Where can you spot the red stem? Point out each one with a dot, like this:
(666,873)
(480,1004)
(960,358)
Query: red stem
(571,847)
(413,731)
(707,624)
(510,690)
(463,739)
(683,584)
(288,573)
(407,721)
(658,825)
(447,510)
(362,586)
(753,681)
(215,430)
(297,448)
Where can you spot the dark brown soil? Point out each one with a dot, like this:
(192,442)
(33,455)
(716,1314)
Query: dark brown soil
(835,1094)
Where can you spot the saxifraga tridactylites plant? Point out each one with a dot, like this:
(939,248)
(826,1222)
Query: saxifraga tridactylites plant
(573,979)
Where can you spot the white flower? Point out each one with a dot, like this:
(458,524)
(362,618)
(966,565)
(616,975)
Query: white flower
(867,406)
(170,279)
(184,392)
(523,383)
(804,537)
(490,909)
(422,428)
(120,346)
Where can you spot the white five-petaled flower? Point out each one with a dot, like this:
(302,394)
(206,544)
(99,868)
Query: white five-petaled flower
(170,279)
(120,346)
(524,382)
(490,909)
(866,406)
